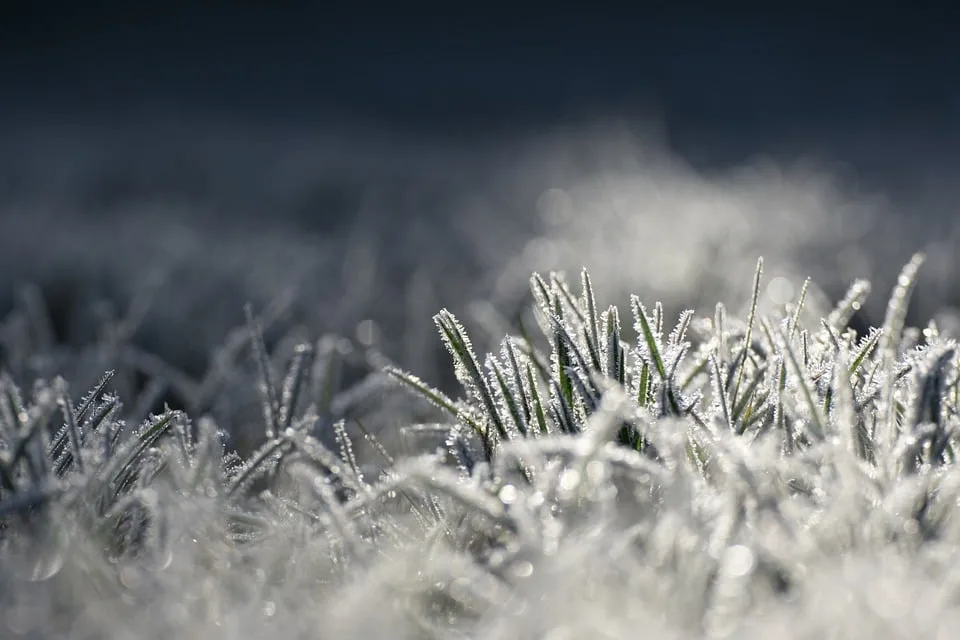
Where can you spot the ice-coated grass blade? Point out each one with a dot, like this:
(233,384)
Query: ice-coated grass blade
(63,436)
(769,452)
(563,411)
(509,353)
(560,357)
(324,459)
(345,445)
(844,413)
(795,317)
(466,367)
(124,462)
(896,315)
(886,352)
(614,365)
(748,337)
(294,383)
(259,464)
(74,437)
(505,394)
(650,340)
(739,413)
(643,385)
(536,401)
(851,303)
(720,393)
(864,350)
(803,380)
(530,350)
(592,332)
(266,386)
(679,334)
(435,397)
(561,294)
(928,407)
(542,295)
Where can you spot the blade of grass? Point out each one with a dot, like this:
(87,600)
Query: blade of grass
(643,328)
(266,386)
(467,368)
(748,337)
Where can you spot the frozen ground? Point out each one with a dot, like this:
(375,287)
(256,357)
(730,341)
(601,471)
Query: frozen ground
(372,234)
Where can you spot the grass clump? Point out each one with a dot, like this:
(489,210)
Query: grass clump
(703,477)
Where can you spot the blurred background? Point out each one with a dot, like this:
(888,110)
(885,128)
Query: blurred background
(186,158)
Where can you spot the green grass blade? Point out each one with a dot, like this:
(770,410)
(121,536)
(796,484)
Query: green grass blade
(467,368)
(866,347)
(513,361)
(507,395)
(650,340)
(536,401)
(433,395)
(806,386)
(258,464)
(592,332)
(613,349)
(125,461)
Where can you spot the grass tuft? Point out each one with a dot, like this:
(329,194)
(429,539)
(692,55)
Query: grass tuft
(726,476)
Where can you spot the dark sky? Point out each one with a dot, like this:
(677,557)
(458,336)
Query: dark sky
(770,67)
